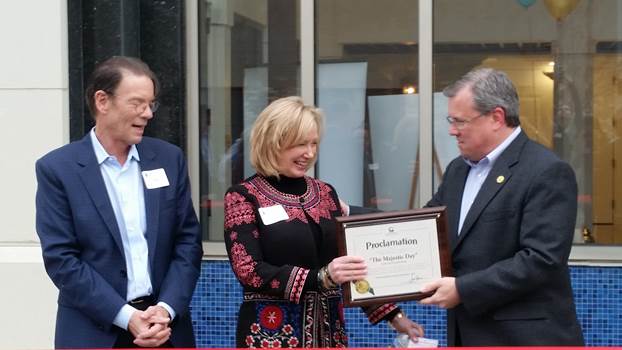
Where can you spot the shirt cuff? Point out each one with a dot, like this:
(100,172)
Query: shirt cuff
(123,316)
(168,308)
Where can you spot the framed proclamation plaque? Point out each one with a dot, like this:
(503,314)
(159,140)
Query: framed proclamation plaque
(404,251)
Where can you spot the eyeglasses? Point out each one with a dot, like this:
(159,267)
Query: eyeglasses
(462,123)
(141,107)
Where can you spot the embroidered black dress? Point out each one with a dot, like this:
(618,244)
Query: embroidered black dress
(277,264)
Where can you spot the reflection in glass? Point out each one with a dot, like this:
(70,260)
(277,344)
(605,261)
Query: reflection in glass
(366,85)
(248,56)
(567,71)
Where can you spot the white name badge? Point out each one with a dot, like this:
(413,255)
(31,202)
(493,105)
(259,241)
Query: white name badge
(275,213)
(155,178)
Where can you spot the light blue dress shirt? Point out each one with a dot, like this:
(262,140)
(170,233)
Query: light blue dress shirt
(478,173)
(124,185)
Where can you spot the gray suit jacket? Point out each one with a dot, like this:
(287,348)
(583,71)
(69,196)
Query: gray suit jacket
(510,259)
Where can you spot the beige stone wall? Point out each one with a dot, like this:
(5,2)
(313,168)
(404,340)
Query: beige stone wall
(34,118)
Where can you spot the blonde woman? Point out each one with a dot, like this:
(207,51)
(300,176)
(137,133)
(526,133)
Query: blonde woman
(280,237)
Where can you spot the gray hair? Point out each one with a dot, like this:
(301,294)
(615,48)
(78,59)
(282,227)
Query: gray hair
(491,88)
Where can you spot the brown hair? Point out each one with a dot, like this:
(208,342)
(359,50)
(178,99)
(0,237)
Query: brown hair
(108,75)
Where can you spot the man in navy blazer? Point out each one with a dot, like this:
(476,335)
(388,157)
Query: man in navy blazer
(511,209)
(118,231)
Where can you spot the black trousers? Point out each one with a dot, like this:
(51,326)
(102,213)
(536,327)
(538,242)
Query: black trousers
(125,339)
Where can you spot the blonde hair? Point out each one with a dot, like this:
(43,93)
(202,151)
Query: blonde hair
(283,123)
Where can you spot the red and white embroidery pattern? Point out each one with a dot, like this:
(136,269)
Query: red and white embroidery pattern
(292,342)
(244,266)
(312,323)
(237,210)
(325,205)
(317,200)
(271,317)
(270,332)
(249,341)
(376,315)
(295,284)
(276,341)
(309,321)
(339,335)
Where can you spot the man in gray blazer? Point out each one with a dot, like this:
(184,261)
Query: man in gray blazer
(511,207)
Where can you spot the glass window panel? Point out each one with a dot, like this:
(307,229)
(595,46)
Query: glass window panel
(567,69)
(366,84)
(248,56)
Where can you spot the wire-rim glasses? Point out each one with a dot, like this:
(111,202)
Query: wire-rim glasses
(141,107)
(462,123)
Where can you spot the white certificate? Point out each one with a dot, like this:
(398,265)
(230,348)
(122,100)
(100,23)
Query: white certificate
(404,251)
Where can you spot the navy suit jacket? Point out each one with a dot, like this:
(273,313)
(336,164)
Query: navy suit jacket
(83,251)
(510,258)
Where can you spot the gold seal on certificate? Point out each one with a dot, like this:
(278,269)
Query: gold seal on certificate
(363,287)
(404,250)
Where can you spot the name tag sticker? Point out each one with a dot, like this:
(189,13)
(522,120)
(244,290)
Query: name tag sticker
(275,213)
(155,178)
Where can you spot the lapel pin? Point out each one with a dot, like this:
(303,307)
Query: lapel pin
(500,179)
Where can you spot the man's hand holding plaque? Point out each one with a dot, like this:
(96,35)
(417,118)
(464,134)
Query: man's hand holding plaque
(400,252)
